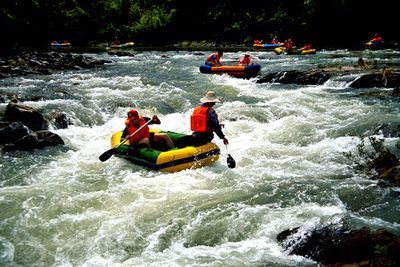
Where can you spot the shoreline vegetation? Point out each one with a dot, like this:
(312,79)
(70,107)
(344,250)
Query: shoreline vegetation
(323,23)
(188,45)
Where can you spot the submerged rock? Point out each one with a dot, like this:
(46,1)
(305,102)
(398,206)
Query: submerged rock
(387,79)
(36,140)
(298,77)
(121,53)
(13,132)
(337,246)
(391,129)
(61,120)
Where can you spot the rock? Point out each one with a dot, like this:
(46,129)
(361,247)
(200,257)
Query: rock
(387,79)
(12,132)
(23,63)
(390,178)
(121,53)
(298,77)
(396,91)
(36,140)
(62,121)
(337,246)
(388,129)
(385,161)
(27,115)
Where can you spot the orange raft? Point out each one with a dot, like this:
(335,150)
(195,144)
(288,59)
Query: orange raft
(235,71)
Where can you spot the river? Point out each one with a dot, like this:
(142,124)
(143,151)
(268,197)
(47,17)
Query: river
(61,206)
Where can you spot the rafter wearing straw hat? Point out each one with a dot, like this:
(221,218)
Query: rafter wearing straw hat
(204,121)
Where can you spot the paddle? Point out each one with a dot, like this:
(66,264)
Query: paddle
(230,160)
(106,155)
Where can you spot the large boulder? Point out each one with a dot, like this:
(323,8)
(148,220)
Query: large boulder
(36,140)
(314,77)
(386,79)
(13,132)
(27,115)
(336,246)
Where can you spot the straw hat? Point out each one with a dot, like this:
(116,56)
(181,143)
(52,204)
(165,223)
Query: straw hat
(210,97)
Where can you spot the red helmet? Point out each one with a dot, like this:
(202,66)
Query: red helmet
(133,113)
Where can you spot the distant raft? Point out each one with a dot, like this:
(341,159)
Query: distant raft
(235,71)
(373,45)
(173,160)
(128,44)
(268,46)
(280,50)
(63,44)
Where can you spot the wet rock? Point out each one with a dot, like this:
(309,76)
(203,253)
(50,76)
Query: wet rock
(387,167)
(396,91)
(24,63)
(298,77)
(61,120)
(27,115)
(36,140)
(121,53)
(388,129)
(337,246)
(387,79)
(12,132)
(390,178)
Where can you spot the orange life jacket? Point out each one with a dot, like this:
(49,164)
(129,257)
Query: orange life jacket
(143,133)
(198,120)
(244,61)
(216,60)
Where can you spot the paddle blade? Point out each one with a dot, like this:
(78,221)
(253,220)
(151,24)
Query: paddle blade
(106,155)
(231,162)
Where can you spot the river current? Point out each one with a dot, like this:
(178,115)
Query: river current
(61,206)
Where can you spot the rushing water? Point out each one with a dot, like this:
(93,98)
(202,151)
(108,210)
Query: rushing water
(61,206)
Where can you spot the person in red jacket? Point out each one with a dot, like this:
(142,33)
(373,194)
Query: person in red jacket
(377,38)
(245,60)
(214,59)
(204,121)
(307,46)
(142,137)
(275,40)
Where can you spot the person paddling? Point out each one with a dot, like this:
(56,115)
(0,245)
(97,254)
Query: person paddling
(214,59)
(245,60)
(204,121)
(142,137)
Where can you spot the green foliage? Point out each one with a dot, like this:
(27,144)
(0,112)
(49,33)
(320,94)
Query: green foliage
(39,21)
(150,20)
(381,250)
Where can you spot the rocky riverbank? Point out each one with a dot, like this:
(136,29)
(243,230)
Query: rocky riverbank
(22,127)
(33,62)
